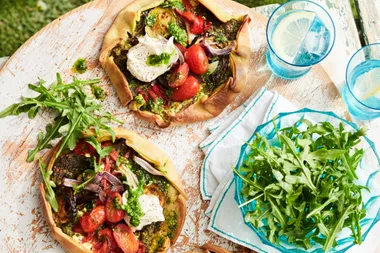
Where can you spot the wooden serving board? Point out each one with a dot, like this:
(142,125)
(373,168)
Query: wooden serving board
(79,34)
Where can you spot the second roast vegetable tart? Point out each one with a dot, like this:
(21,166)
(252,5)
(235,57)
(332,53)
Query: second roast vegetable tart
(176,61)
(121,196)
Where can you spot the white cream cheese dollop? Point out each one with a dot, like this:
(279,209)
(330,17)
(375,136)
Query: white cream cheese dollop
(138,56)
(150,205)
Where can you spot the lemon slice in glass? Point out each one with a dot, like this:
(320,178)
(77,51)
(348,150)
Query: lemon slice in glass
(368,85)
(290,33)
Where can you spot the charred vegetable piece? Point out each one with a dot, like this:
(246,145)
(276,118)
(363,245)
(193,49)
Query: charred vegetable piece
(125,238)
(158,26)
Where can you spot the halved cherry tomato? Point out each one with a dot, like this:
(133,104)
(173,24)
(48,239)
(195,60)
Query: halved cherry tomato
(113,214)
(125,238)
(196,59)
(198,26)
(187,90)
(114,155)
(91,221)
(179,75)
(83,147)
(108,236)
(181,48)
(88,224)
(104,248)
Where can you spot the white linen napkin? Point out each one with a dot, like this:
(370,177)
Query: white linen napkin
(222,147)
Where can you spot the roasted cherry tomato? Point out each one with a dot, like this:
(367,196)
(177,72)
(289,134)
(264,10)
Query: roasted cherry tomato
(196,59)
(179,75)
(83,148)
(181,48)
(104,248)
(112,213)
(125,238)
(88,224)
(91,221)
(198,26)
(187,90)
(108,236)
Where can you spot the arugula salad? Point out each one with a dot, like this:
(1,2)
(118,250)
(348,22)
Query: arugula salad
(302,186)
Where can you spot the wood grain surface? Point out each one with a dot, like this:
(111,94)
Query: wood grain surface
(79,34)
(369,12)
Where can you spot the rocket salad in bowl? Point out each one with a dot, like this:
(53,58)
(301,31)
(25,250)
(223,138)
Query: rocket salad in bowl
(307,182)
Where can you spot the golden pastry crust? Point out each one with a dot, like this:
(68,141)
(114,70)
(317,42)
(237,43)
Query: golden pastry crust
(147,151)
(201,110)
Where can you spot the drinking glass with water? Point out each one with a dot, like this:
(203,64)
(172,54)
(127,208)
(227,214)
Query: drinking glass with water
(300,34)
(362,90)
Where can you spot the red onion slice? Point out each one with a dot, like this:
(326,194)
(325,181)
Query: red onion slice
(98,177)
(90,186)
(70,182)
(147,166)
(111,178)
(217,51)
(180,55)
(117,188)
(102,196)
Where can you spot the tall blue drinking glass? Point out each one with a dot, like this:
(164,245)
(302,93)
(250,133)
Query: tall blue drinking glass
(362,90)
(300,34)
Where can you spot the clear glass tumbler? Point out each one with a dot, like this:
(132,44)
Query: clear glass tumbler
(362,90)
(300,34)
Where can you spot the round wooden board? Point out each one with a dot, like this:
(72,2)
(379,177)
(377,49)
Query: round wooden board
(79,34)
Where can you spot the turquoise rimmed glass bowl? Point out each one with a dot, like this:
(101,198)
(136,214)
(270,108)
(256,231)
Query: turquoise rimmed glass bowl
(367,172)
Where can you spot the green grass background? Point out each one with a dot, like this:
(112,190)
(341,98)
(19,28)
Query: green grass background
(20,19)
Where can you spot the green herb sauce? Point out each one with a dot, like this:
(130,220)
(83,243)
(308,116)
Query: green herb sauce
(158,60)
(179,34)
(173,4)
(151,20)
(98,92)
(171,220)
(133,206)
(80,66)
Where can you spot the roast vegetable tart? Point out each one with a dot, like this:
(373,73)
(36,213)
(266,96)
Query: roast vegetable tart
(176,61)
(113,196)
